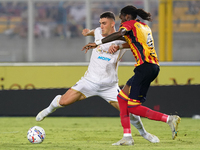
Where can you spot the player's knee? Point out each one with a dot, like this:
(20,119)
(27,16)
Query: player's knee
(62,101)
(70,97)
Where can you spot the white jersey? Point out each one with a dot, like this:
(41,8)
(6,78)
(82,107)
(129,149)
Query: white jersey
(103,66)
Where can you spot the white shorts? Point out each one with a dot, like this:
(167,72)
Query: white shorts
(88,89)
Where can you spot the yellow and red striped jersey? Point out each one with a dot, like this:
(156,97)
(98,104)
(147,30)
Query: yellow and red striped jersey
(140,39)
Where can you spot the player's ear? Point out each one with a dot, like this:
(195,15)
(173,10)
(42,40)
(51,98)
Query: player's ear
(128,17)
(113,24)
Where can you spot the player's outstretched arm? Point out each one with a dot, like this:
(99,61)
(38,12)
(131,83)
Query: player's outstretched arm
(125,45)
(89,46)
(113,48)
(109,38)
(88,32)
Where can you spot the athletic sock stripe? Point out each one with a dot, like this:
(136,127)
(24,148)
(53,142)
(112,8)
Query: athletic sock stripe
(121,97)
(122,94)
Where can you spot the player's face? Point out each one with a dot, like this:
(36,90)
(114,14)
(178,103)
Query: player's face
(107,26)
(122,17)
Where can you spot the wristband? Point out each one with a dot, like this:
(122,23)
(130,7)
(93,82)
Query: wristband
(120,46)
(98,42)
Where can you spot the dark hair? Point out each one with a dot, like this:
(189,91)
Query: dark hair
(133,11)
(108,14)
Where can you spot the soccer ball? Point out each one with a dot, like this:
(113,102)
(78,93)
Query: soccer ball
(36,134)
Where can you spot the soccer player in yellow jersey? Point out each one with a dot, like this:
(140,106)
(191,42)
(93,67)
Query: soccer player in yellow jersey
(138,35)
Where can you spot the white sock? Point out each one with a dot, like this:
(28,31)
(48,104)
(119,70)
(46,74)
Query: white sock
(127,134)
(54,104)
(167,119)
(137,123)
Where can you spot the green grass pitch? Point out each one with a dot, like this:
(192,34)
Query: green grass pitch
(94,133)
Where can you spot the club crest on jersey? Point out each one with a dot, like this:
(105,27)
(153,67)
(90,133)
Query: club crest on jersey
(100,51)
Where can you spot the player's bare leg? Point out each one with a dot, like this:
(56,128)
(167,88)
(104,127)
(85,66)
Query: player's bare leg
(59,101)
(137,123)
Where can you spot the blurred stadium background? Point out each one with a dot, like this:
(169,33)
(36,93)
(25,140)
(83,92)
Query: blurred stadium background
(41,44)
(50,30)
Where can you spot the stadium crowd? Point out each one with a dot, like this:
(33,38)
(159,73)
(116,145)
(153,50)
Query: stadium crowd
(64,19)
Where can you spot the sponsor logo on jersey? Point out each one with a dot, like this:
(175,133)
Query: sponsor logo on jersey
(104,58)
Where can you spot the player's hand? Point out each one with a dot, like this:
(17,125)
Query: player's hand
(89,46)
(85,32)
(113,48)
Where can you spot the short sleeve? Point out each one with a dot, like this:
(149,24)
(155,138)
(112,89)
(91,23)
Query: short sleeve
(97,34)
(128,25)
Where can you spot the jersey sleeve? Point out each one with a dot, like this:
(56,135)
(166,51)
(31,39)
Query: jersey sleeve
(128,25)
(97,32)
(118,42)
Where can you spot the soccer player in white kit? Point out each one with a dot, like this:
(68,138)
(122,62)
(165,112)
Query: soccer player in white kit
(101,77)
